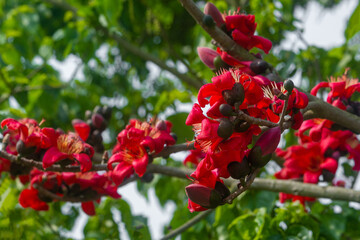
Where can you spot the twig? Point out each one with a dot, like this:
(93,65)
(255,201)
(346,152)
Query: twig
(243,187)
(186,225)
(257,121)
(283,112)
(95,167)
(54,196)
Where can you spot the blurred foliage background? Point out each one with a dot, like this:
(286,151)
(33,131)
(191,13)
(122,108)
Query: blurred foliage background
(139,57)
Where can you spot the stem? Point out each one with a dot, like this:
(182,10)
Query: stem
(96,167)
(243,188)
(257,121)
(283,112)
(186,225)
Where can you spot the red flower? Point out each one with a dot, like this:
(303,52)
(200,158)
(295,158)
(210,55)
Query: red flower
(242,28)
(307,161)
(341,87)
(213,93)
(30,198)
(71,147)
(28,131)
(297,100)
(135,141)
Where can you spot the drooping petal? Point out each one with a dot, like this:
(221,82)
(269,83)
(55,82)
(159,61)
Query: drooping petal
(53,155)
(30,198)
(140,165)
(311,177)
(121,171)
(81,128)
(88,208)
(84,160)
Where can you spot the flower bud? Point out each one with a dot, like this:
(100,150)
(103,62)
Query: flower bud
(260,154)
(269,140)
(98,121)
(208,21)
(239,170)
(226,110)
(259,66)
(289,85)
(225,128)
(222,189)
(257,159)
(235,95)
(161,125)
(207,56)
(204,196)
(211,10)
(219,64)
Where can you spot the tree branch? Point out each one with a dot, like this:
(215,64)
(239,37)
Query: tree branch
(95,167)
(321,109)
(186,225)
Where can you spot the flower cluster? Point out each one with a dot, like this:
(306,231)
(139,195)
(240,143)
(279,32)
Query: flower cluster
(46,187)
(231,109)
(135,145)
(48,146)
(321,144)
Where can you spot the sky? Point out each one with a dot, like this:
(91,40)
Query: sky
(322,28)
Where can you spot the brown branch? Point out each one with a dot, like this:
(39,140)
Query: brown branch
(257,121)
(186,225)
(243,188)
(81,198)
(321,109)
(95,167)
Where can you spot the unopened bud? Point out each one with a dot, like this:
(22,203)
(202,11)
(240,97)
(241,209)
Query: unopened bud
(222,189)
(208,21)
(204,196)
(161,125)
(98,121)
(211,10)
(259,66)
(220,64)
(269,140)
(239,170)
(106,112)
(235,95)
(226,110)
(257,159)
(289,85)
(225,128)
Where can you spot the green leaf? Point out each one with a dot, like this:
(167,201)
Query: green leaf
(184,133)
(353,26)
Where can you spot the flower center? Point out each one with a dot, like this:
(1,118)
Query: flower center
(70,144)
